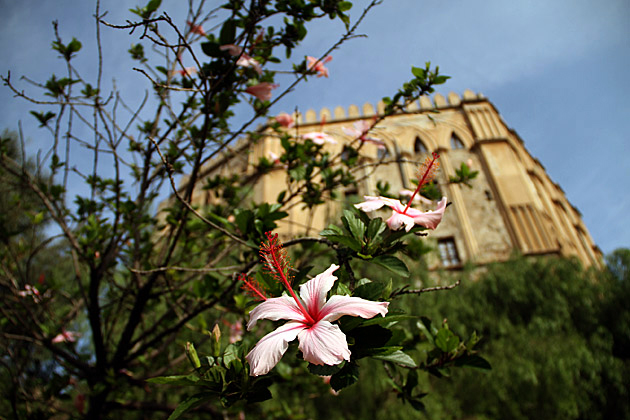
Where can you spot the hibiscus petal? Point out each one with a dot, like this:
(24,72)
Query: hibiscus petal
(371,204)
(323,344)
(351,132)
(266,354)
(232,49)
(313,292)
(397,220)
(283,307)
(432,219)
(338,306)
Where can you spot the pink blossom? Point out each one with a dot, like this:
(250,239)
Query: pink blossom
(196,29)
(244,60)
(66,337)
(319,137)
(318,66)
(186,71)
(310,321)
(274,158)
(233,50)
(262,90)
(360,130)
(285,120)
(404,215)
(31,291)
(236,332)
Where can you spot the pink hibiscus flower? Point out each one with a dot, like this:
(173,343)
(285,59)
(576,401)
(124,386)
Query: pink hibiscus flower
(318,66)
(262,90)
(360,130)
(244,60)
(66,337)
(187,71)
(284,120)
(196,29)
(404,215)
(310,316)
(31,291)
(319,137)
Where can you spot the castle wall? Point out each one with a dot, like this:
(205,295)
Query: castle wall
(513,203)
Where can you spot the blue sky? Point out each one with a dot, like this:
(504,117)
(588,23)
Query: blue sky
(556,71)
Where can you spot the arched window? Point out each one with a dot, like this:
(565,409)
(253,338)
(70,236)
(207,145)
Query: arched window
(456,143)
(382,152)
(419,146)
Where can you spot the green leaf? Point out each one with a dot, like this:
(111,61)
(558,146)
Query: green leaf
(342,289)
(259,393)
(369,341)
(324,370)
(427,329)
(418,72)
(369,291)
(211,49)
(347,376)
(388,320)
(74,46)
(392,263)
(43,118)
(375,228)
(351,243)
(228,32)
(152,6)
(230,355)
(412,381)
(175,380)
(332,230)
(354,225)
(474,361)
(190,402)
(344,6)
(446,341)
(380,351)
(416,403)
(298,173)
(399,358)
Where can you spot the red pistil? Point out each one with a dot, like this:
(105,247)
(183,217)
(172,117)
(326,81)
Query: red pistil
(428,169)
(252,287)
(276,262)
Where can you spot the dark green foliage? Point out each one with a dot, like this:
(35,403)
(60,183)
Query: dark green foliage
(463,175)
(549,332)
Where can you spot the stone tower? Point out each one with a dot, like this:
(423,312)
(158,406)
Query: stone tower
(513,203)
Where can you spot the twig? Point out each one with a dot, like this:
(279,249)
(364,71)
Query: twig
(405,291)
(169,170)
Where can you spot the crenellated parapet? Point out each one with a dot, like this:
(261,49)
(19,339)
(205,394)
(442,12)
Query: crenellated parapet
(368,110)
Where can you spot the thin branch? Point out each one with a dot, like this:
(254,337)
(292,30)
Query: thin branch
(405,291)
(169,170)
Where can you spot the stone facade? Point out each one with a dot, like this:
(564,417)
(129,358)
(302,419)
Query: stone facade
(513,203)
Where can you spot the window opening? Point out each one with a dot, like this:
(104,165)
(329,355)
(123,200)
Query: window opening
(456,143)
(419,146)
(448,253)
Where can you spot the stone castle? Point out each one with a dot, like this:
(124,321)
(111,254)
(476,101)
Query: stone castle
(512,205)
